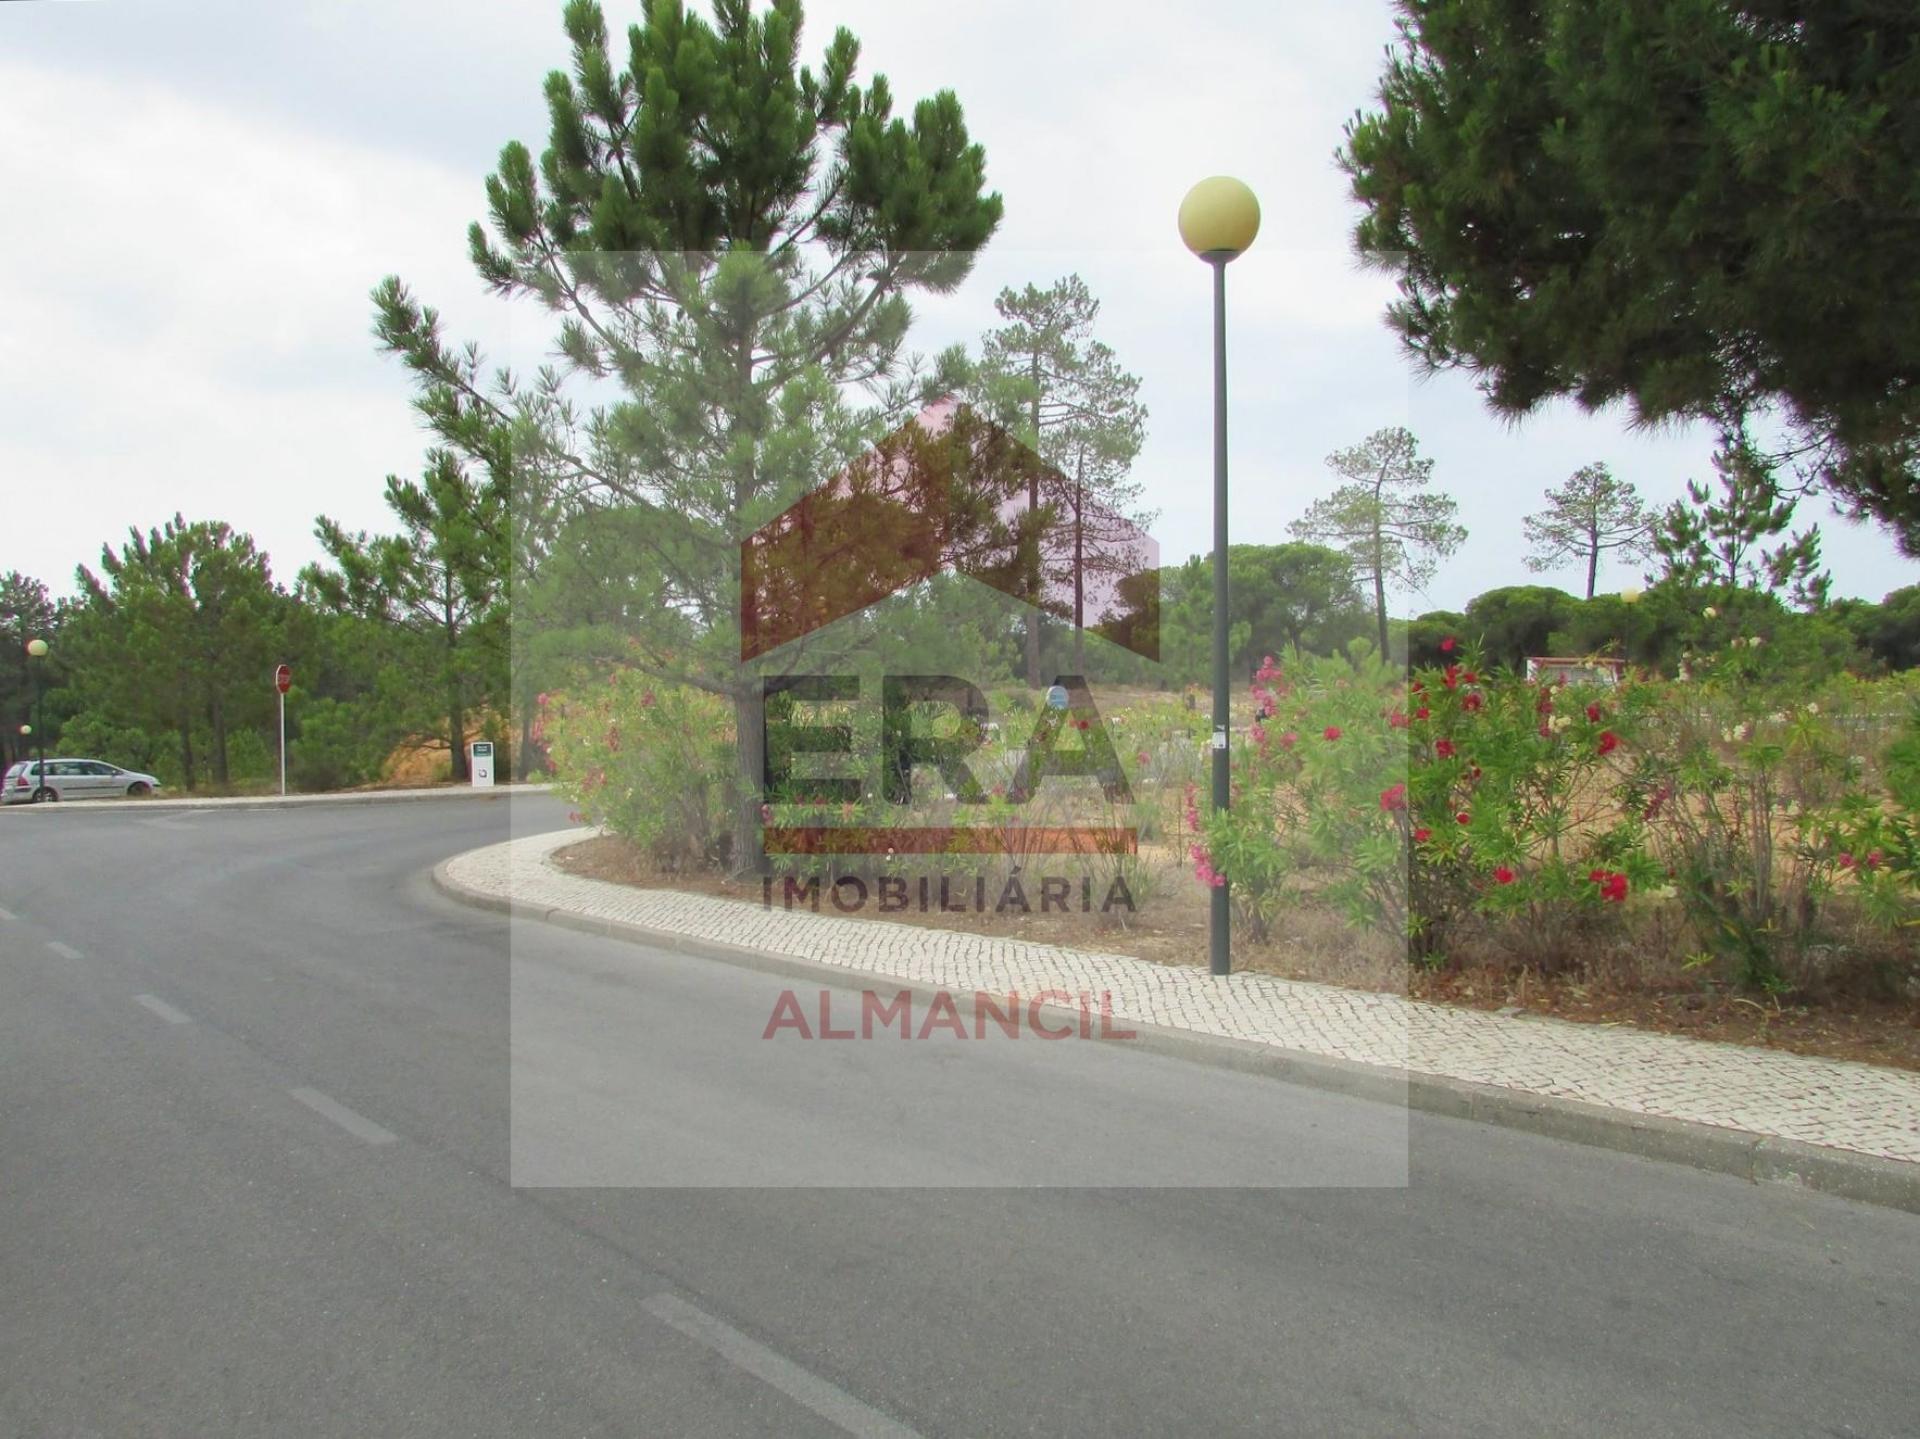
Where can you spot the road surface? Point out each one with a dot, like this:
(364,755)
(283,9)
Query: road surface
(256,1178)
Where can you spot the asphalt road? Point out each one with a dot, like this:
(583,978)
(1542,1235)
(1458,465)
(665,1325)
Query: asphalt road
(257,1176)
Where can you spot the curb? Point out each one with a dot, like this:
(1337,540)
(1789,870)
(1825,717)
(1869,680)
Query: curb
(1758,1159)
(293,801)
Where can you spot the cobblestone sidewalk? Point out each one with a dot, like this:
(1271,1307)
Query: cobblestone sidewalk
(1766,1093)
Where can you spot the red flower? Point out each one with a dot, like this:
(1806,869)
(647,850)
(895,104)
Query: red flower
(1397,720)
(1394,797)
(1593,713)
(1503,875)
(1472,703)
(1464,817)
(1422,835)
(1451,679)
(1332,731)
(1470,678)
(1546,730)
(1142,758)
(1446,645)
(1846,860)
(1609,741)
(1613,886)
(1544,705)
(1875,859)
(1082,724)
(1443,748)
(1423,713)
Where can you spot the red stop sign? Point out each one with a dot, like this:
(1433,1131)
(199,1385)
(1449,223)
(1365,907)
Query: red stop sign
(282,678)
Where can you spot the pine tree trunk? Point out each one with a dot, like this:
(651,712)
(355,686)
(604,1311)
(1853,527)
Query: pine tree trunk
(1033,506)
(219,717)
(186,752)
(457,737)
(749,856)
(1079,582)
(1380,592)
(456,706)
(1593,569)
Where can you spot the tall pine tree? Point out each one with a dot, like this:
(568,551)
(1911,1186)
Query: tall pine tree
(1384,518)
(727,240)
(1044,375)
(1704,208)
(1591,515)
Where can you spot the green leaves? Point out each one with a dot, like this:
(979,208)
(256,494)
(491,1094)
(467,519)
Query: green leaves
(1701,207)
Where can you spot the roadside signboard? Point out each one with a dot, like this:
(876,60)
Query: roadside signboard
(480,765)
(282,682)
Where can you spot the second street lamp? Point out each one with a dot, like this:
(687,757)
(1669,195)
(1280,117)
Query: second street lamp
(37,649)
(1218,220)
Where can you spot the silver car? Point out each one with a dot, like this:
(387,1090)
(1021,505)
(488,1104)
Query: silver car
(73,779)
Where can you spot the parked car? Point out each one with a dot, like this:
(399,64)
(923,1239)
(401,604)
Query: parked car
(73,779)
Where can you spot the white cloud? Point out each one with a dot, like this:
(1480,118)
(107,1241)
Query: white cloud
(188,324)
(211,189)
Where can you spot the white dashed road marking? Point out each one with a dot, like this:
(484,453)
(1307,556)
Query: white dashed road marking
(829,1401)
(162,1008)
(65,951)
(358,1125)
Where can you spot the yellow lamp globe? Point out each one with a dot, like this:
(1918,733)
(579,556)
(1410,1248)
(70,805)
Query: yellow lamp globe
(1219,218)
(37,648)
(1630,595)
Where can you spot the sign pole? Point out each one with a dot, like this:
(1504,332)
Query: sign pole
(282,682)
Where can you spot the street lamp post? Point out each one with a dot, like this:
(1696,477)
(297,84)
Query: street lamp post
(37,649)
(1218,220)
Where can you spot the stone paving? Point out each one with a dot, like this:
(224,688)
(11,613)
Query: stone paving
(1833,1103)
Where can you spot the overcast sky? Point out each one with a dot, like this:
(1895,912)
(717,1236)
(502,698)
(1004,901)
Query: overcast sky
(198,197)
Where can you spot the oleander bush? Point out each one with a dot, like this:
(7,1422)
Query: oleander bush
(1455,804)
(652,762)
(1736,821)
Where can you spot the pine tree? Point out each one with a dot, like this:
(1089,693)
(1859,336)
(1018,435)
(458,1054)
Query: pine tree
(1588,516)
(729,240)
(1705,208)
(182,633)
(1044,375)
(1385,519)
(1721,543)
(441,581)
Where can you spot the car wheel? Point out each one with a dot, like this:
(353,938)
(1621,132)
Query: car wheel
(139,789)
(46,794)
